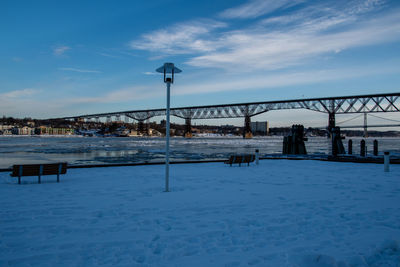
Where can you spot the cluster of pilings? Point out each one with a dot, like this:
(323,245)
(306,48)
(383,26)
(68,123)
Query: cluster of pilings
(363,148)
(294,143)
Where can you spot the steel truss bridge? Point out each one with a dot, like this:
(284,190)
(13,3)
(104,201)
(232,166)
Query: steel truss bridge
(374,103)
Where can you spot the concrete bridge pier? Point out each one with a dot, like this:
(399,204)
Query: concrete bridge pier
(247,134)
(143,128)
(331,123)
(188,128)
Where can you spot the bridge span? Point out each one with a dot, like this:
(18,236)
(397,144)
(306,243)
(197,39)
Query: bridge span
(373,103)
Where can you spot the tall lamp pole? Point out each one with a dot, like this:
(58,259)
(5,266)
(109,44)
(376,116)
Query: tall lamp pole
(168,69)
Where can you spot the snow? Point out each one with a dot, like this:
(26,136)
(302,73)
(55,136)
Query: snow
(278,213)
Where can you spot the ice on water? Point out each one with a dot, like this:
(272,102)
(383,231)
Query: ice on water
(99,150)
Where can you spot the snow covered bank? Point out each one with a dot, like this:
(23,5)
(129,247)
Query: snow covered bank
(280,213)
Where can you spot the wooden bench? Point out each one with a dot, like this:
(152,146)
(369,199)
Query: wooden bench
(39,170)
(239,159)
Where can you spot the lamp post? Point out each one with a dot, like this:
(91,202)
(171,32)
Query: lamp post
(168,69)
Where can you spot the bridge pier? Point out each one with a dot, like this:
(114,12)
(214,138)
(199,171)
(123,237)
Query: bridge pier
(337,144)
(188,128)
(247,134)
(142,128)
(293,144)
(331,123)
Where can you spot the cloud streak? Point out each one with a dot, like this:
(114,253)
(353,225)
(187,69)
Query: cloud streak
(276,42)
(28,92)
(281,49)
(79,70)
(273,81)
(257,8)
(184,38)
(61,50)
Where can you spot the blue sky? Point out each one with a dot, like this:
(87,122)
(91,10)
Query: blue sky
(61,58)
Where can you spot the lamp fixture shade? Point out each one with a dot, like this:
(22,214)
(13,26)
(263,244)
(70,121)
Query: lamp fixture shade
(168,68)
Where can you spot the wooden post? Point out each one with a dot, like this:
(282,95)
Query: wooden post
(375,147)
(350,147)
(362,148)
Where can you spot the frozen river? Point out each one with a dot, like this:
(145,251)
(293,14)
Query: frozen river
(99,150)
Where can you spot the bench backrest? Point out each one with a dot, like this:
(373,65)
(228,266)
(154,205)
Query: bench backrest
(249,158)
(241,158)
(39,169)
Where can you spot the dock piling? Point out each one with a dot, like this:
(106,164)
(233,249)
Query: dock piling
(362,148)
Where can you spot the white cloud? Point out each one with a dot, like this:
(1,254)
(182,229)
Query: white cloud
(20,93)
(257,8)
(179,39)
(60,50)
(277,80)
(150,73)
(279,49)
(79,70)
(295,38)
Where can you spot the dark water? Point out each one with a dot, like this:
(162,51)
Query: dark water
(99,150)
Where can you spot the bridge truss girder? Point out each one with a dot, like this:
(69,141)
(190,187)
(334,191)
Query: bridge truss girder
(332,105)
(143,115)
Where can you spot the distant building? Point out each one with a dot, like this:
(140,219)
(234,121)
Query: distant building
(23,130)
(260,127)
(31,124)
(6,129)
(43,130)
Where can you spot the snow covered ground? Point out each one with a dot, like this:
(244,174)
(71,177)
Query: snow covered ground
(279,213)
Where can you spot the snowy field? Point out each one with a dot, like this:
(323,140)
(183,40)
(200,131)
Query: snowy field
(279,213)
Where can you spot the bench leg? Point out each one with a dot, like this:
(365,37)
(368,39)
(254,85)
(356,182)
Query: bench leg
(59,171)
(19,174)
(40,173)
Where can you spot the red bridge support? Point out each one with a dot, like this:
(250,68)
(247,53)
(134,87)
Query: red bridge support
(188,128)
(247,134)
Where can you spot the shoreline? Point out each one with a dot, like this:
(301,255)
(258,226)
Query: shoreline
(346,158)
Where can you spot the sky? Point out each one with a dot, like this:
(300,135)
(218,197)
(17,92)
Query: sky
(66,58)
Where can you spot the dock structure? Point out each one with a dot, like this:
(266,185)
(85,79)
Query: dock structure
(373,103)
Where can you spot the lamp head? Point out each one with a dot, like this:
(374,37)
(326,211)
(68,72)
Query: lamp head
(169,70)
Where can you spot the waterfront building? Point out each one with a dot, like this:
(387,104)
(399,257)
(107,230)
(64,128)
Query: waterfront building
(43,130)
(260,127)
(6,129)
(22,130)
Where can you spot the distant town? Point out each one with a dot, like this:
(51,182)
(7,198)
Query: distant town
(29,126)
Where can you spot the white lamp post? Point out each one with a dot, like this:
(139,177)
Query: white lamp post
(169,70)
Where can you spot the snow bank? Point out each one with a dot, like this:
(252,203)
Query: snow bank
(279,213)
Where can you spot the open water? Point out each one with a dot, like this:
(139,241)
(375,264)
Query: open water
(79,150)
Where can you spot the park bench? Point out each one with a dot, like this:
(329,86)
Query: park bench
(39,170)
(239,159)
